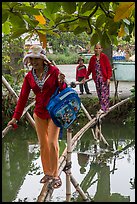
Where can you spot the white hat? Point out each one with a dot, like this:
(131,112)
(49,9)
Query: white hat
(35,51)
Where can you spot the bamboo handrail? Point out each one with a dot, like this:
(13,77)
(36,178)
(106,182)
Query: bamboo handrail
(80,82)
(28,116)
(6,130)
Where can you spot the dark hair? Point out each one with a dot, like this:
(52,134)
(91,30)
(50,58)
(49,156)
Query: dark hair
(80,58)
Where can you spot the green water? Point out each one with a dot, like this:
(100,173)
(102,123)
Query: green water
(106,175)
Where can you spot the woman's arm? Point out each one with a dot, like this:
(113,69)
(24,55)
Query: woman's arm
(23,97)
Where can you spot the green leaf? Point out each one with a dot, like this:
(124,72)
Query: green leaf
(131,27)
(69,7)
(50,32)
(16,20)
(40,5)
(53,7)
(5,15)
(6,28)
(112,27)
(8,5)
(88,6)
(114,39)
(62,28)
(105,40)
(32,23)
(47,14)
(58,18)
(19,32)
(100,20)
(5,5)
(79,30)
(94,39)
(29,10)
(105,5)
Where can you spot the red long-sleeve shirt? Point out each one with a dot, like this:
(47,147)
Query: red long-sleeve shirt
(104,64)
(42,95)
(81,71)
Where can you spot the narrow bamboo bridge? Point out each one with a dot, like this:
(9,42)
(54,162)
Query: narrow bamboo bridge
(65,158)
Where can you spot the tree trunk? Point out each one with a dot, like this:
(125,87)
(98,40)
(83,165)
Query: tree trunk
(108,52)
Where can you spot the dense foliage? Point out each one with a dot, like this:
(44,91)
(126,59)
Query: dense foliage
(102,21)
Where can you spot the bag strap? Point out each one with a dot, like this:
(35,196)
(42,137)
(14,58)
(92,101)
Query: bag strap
(55,93)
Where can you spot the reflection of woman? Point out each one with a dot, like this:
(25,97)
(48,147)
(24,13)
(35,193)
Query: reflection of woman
(43,79)
(101,70)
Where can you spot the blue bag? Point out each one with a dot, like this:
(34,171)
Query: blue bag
(63,107)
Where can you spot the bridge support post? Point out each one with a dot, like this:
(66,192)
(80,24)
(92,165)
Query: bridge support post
(68,165)
(69,178)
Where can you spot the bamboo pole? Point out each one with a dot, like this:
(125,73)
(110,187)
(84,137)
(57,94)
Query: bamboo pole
(90,118)
(28,107)
(80,82)
(28,116)
(78,188)
(86,112)
(8,128)
(68,161)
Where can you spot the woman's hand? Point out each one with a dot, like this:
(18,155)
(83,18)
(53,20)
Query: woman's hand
(83,80)
(108,82)
(12,122)
(61,77)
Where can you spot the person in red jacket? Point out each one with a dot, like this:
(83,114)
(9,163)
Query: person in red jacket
(43,79)
(81,72)
(99,66)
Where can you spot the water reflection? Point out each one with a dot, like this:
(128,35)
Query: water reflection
(104,175)
(17,155)
(102,164)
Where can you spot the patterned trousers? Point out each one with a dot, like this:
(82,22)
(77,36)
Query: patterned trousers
(103,94)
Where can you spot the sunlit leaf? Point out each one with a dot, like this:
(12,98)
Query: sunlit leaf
(100,20)
(124,10)
(121,32)
(31,22)
(40,19)
(6,28)
(40,5)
